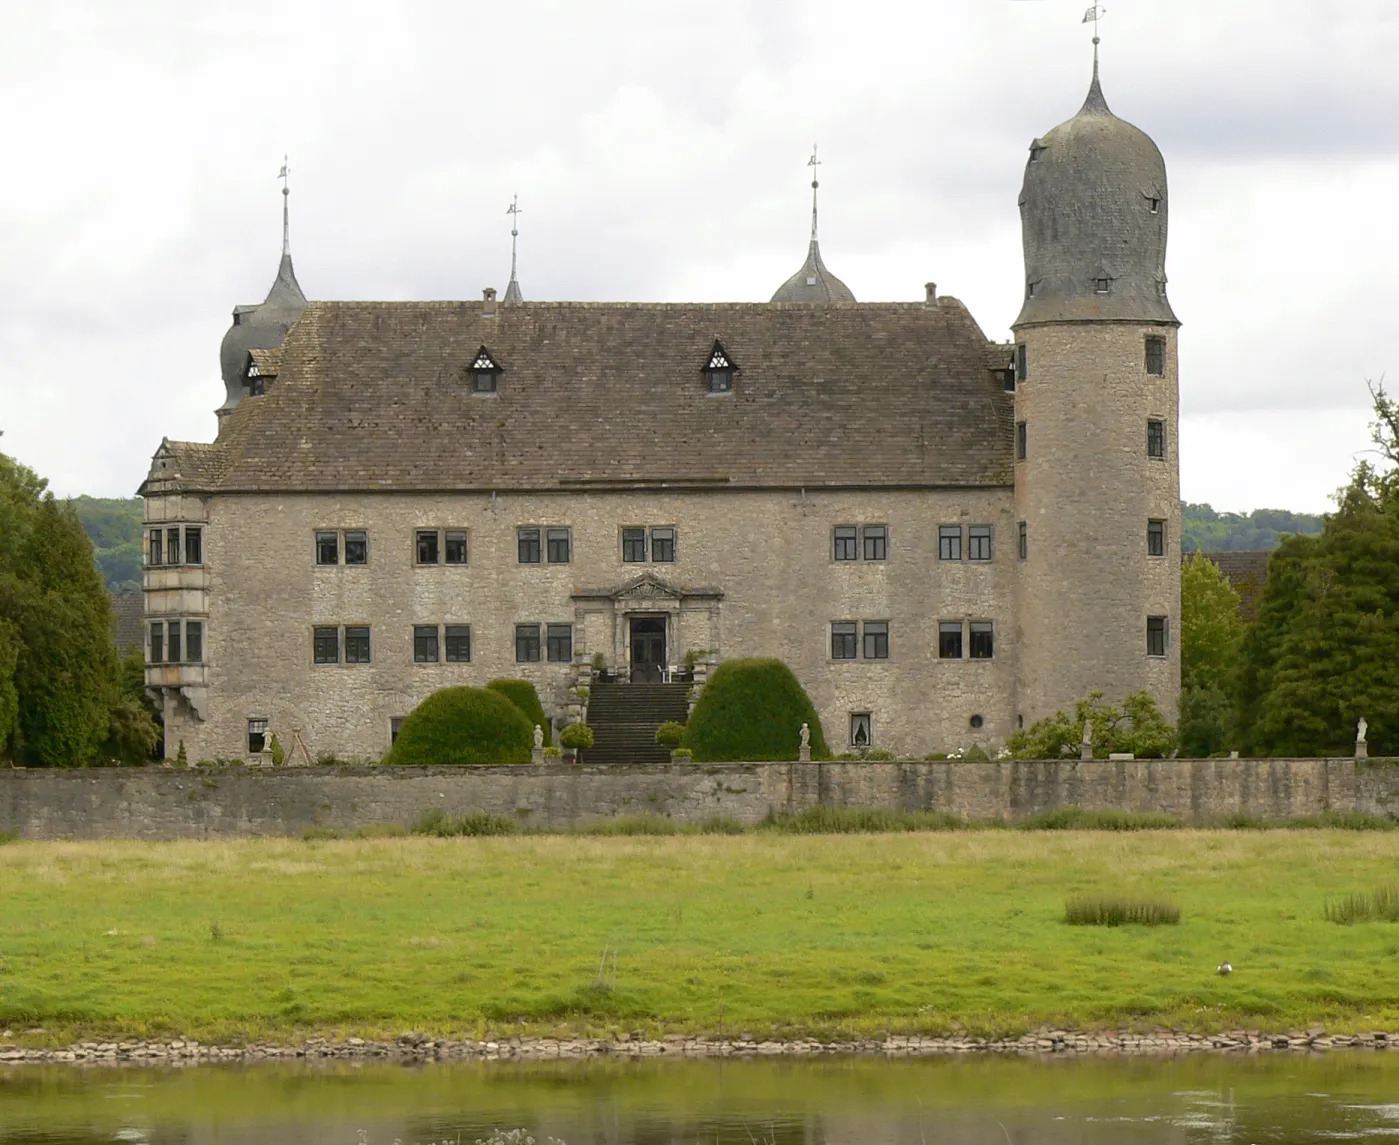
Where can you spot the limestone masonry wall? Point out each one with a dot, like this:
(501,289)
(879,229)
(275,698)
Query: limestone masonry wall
(162,803)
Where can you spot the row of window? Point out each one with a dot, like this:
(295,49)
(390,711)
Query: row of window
(449,643)
(1155,439)
(719,370)
(1154,348)
(163,545)
(869,639)
(166,647)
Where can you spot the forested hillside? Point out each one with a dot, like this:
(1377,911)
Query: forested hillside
(113,524)
(1204,530)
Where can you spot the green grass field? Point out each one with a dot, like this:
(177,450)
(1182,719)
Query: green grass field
(762,934)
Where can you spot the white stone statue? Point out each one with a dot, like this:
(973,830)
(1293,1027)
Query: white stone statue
(1360,730)
(1088,732)
(806,736)
(538,736)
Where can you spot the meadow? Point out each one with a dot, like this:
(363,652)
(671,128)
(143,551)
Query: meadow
(761,933)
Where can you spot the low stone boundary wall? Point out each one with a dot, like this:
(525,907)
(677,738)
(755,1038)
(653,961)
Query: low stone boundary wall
(163,803)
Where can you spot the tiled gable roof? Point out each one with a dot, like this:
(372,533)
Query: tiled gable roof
(128,620)
(1247,571)
(377,395)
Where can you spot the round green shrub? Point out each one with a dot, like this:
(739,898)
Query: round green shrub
(464,725)
(521,693)
(752,710)
(670,733)
(575,736)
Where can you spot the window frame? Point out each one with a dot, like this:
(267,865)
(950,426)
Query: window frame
(172,545)
(194,642)
(946,630)
(1022,440)
(320,634)
(1157,446)
(257,726)
(434,538)
(174,649)
(849,630)
(358,537)
(673,540)
(949,551)
(868,719)
(1156,537)
(1022,540)
(555,635)
(1158,626)
(986,533)
(719,371)
(1022,362)
(155,548)
(322,538)
(633,535)
(984,649)
(881,536)
(421,648)
(552,537)
(1155,347)
(456,632)
(841,542)
(451,537)
(360,631)
(527,638)
(194,533)
(522,538)
(155,642)
(880,637)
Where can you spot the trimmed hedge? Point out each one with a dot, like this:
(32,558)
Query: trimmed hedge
(752,710)
(521,693)
(464,725)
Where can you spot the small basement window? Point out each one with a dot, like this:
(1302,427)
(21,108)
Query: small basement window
(719,372)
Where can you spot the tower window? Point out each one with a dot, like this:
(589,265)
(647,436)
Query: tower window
(1155,438)
(1037,149)
(483,372)
(1030,289)
(1156,355)
(1102,285)
(1154,204)
(1156,636)
(719,372)
(1156,538)
(1022,362)
(950,640)
(1023,540)
(1021,440)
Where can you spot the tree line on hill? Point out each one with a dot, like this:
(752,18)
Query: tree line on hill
(66,698)
(1205,531)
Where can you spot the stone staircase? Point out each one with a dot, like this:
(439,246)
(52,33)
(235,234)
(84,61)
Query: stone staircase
(624,719)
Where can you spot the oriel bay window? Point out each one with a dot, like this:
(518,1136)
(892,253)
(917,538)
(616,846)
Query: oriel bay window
(163,546)
(559,643)
(157,651)
(194,641)
(156,552)
(194,545)
(167,647)
(172,642)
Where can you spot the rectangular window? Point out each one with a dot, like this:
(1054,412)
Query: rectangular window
(454,546)
(194,546)
(1156,538)
(527,542)
(1155,635)
(876,542)
(979,542)
(663,546)
(526,643)
(172,546)
(357,548)
(1021,441)
(194,641)
(327,645)
(982,640)
(1022,362)
(458,643)
(876,639)
(949,542)
(327,548)
(1023,539)
(860,730)
(557,540)
(157,642)
(559,641)
(633,545)
(844,639)
(427,546)
(950,640)
(395,726)
(257,737)
(356,645)
(157,550)
(1155,438)
(172,642)
(424,644)
(1156,356)
(847,543)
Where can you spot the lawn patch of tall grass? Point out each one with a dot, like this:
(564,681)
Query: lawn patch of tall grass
(474,823)
(1080,819)
(1114,911)
(8,837)
(860,821)
(1378,905)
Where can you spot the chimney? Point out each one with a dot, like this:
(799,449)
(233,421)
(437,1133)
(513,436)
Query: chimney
(930,297)
(488,302)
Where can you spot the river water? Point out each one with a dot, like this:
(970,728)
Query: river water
(962,1101)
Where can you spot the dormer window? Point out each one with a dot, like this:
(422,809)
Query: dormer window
(253,379)
(720,371)
(1036,150)
(1030,288)
(483,372)
(1102,285)
(1155,205)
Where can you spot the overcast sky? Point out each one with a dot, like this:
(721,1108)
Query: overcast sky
(659,149)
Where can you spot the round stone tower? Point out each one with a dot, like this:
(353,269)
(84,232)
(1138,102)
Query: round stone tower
(1097,481)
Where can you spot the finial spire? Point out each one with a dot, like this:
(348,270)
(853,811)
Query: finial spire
(285,176)
(1095,102)
(512,291)
(1093,15)
(813,163)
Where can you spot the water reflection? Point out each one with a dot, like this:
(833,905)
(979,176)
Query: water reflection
(1192,1101)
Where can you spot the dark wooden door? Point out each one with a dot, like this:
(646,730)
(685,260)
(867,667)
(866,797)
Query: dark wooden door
(648,652)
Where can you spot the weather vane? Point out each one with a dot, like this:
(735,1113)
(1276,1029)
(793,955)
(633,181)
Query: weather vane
(813,163)
(1092,16)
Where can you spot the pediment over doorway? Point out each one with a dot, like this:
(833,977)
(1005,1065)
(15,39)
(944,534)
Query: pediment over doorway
(648,587)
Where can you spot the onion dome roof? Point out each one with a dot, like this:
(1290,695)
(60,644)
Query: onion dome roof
(813,282)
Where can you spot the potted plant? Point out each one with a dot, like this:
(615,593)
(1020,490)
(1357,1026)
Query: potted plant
(575,737)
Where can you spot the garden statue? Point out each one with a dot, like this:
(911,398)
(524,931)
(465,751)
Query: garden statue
(804,749)
(538,736)
(1362,749)
(1085,748)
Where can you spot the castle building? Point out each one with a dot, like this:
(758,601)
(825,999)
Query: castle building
(944,536)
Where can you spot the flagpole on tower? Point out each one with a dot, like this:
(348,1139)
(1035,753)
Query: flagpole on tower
(1094,14)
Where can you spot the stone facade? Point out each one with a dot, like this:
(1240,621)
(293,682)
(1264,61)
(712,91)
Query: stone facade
(161,803)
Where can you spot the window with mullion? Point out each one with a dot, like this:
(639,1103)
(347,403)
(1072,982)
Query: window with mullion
(633,545)
(356,644)
(982,640)
(949,542)
(527,643)
(425,644)
(458,641)
(847,543)
(558,544)
(527,545)
(663,545)
(950,640)
(844,640)
(326,643)
(979,542)
(559,643)
(875,542)
(876,639)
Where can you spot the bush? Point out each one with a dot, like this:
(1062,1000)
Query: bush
(681,753)
(752,710)
(279,755)
(670,733)
(1137,726)
(1381,904)
(1121,912)
(1077,819)
(473,823)
(576,736)
(552,752)
(860,821)
(463,725)
(521,693)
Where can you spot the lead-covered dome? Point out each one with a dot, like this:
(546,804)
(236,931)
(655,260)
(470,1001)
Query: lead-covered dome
(1093,214)
(261,327)
(813,283)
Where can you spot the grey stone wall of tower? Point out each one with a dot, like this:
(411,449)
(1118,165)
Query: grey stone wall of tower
(1097,483)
